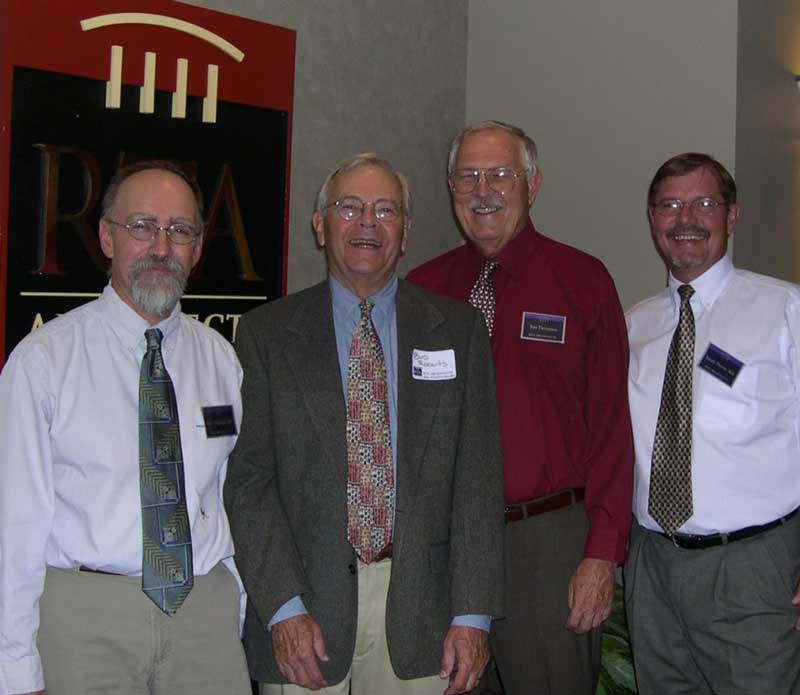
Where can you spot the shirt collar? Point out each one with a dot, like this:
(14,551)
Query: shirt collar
(346,302)
(514,258)
(708,286)
(130,327)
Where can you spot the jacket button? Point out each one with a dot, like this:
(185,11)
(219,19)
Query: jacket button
(352,569)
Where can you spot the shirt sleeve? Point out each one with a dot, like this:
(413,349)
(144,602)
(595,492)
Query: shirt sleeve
(481,622)
(291,609)
(26,513)
(609,465)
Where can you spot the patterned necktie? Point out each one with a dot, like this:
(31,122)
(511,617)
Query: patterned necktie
(167,575)
(481,296)
(670,501)
(370,472)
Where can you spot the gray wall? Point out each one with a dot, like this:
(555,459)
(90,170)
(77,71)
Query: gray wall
(370,75)
(768,138)
(608,90)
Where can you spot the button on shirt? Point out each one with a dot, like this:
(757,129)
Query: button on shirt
(69,471)
(563,405)
(745,450)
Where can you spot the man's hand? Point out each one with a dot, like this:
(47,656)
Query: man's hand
(591,591)
(297,644)
(465,654)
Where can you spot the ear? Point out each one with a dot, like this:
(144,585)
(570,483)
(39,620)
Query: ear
(732,218)
(649,213)
(318,223)
(404,238)
(106,239)
(534,184)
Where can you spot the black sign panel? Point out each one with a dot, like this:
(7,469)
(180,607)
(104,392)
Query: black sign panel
(65,147)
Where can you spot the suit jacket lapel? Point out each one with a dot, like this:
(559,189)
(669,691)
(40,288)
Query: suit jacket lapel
(315,365)
(416,406)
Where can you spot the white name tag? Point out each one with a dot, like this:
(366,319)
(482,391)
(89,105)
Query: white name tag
(436,365)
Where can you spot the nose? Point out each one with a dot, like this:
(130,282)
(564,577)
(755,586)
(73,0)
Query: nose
(368,218)
(482,187)
(160,244)
(686,214)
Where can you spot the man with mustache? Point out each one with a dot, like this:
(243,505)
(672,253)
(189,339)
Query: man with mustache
(560,354)
(365,491)
(117,418)
(711,579)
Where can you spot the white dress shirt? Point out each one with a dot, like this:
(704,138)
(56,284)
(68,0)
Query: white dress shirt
(69,470)
(745,437)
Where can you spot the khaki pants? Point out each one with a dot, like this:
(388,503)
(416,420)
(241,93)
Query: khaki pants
(100,635)
(371,671)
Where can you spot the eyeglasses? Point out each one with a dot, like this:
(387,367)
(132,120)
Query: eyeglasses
(146,230)
(500,179)
(672,207)
(352,208)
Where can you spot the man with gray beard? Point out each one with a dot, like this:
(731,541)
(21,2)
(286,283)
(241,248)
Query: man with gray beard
(117,419)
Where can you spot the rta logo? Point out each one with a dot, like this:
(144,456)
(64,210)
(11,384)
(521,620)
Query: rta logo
(148,87)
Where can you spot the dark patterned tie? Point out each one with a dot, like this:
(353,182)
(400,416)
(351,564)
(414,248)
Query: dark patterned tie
(481,296)
(167,575)
(670,501)
(370,472)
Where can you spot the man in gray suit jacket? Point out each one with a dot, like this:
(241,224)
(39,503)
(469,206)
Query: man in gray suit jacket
(365,491)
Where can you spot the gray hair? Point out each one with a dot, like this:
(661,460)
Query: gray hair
(365,159)
(527,145)
(123,174)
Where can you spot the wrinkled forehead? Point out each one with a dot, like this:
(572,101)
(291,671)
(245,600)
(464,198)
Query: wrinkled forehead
(368,182)
(490,148)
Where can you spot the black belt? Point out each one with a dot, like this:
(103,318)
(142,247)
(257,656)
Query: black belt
(564,498)
(689,541)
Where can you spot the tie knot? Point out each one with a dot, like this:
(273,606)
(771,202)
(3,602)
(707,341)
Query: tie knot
(487,268)
(366,308)
(686,292)
(153,337)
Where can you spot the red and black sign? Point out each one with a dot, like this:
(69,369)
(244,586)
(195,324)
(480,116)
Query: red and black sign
(93,85)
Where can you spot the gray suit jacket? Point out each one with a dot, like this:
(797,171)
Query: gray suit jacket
(285,489)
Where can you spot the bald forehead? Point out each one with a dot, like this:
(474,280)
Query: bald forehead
(157,188)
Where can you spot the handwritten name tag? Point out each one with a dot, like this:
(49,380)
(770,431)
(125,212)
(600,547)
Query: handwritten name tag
(433,365)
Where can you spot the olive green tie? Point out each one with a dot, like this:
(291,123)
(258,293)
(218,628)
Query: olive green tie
(670,502)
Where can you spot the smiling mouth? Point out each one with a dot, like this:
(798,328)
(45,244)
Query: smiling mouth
(365,243)
(689,233)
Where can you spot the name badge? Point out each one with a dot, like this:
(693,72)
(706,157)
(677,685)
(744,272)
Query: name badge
(721,365)
(219,420)
(433,365)
(547,328)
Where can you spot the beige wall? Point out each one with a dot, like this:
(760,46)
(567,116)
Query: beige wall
(768,138)
(370,75)
(608,90)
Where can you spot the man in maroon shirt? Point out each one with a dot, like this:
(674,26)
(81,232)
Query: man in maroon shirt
(561,356)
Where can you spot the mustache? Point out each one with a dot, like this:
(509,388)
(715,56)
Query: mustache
(695,229)
(487,201)
(151,262)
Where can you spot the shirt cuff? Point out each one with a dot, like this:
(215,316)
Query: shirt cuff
(22,675)
(481,622)
(293,607)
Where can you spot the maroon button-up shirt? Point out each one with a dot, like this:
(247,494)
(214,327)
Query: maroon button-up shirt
(563,406)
